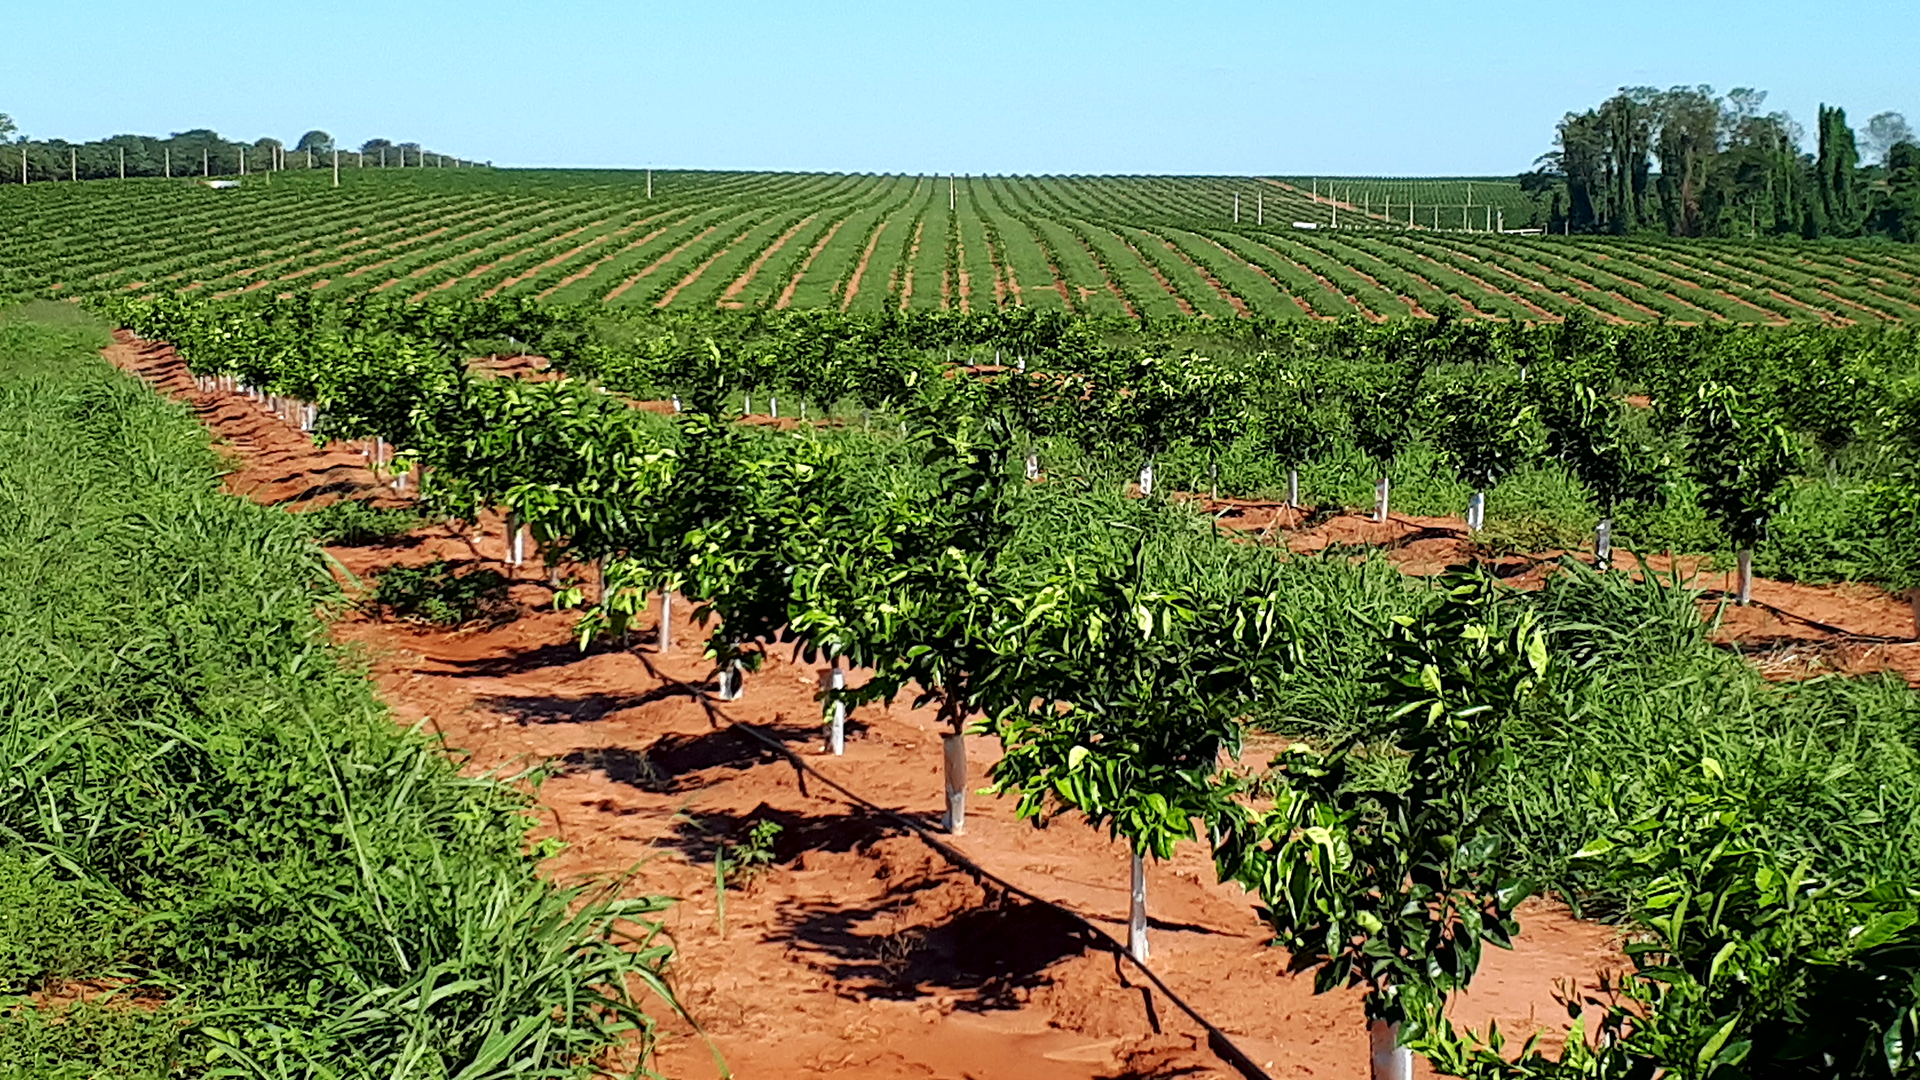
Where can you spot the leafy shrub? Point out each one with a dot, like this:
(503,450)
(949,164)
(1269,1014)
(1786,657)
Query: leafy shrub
(357,521)
(437,593)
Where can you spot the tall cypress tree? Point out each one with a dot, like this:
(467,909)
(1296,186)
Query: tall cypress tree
(1835,182)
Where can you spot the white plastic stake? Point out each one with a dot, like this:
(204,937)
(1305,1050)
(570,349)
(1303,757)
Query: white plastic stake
(1744,595)
(1033,466)
(1293,487)
(664,638)
(1382,493)
(1603,544)
(837,734)
(773,407)
(1477,511)
(1146,478)
(516,539)
(1391,1061)
(733,681)
(1137,910)
(676,403)
(954,748)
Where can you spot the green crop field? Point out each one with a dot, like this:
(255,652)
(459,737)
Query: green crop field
(1139,247)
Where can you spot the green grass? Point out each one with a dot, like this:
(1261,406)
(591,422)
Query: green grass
(202,800)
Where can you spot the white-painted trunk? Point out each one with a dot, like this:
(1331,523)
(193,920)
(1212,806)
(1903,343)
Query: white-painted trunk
(1382,496)
(954,748)
(1293,487)
(1391,1061)
(1744,592)
(664,634)
(837,732)
(1137,910)
(1603,544)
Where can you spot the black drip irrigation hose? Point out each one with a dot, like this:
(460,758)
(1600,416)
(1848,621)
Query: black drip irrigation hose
(1217,1040)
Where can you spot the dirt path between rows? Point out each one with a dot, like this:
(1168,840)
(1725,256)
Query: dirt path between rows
(863,951)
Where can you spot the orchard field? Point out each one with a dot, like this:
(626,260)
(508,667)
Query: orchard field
(1393,596)
(1137,248)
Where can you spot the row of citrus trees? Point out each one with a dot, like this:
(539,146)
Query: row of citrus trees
(1115,693)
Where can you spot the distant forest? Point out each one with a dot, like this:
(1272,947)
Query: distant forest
(1690,162)
(199,152)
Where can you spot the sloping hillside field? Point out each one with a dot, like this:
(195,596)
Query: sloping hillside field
(1133,247)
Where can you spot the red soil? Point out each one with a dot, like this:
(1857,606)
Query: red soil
(1180,301)
(786,294)
(1239,306)
(656,264)
(860,269)
(667,297)
(869,950)
(739,284)
(587,271)
(906,268)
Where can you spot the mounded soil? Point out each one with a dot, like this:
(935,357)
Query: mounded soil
(870,948)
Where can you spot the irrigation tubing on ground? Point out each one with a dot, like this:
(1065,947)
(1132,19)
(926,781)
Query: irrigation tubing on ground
(1217,1040)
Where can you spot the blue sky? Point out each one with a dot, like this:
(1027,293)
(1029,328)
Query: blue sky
(1387,87)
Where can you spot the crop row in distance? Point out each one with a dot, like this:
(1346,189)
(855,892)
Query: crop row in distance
(1110,246)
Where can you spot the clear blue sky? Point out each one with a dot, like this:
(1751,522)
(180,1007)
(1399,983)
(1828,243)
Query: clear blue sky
(1387,87)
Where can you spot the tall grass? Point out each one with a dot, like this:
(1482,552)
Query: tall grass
(201,800)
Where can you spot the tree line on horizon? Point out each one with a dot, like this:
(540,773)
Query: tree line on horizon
(1691,162)
(198,152)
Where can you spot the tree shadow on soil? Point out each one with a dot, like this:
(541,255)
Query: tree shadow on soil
(673,762)
(993,952)
(555,709)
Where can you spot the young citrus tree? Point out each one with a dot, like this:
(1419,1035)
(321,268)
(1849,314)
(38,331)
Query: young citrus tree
(1744,458)
(1122,703)
(1396,885)
(1484,428)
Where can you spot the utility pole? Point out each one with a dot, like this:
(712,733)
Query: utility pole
(649,182)
(167,156)
(243,161)
(1316,189)
(949,192)
(1336,208)
(1260,208)
(336,166)
(383,157)
(206,164)
(1236,208)
(73,164)
(123,163)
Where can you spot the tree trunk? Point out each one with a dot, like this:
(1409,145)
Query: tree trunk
(1137,910)
(733,681)
(1744,590)
(954,746)
(837,733)
(1391,1061)
(516,539)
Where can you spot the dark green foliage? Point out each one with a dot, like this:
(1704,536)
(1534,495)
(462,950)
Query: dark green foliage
(438,593)
(358,521)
